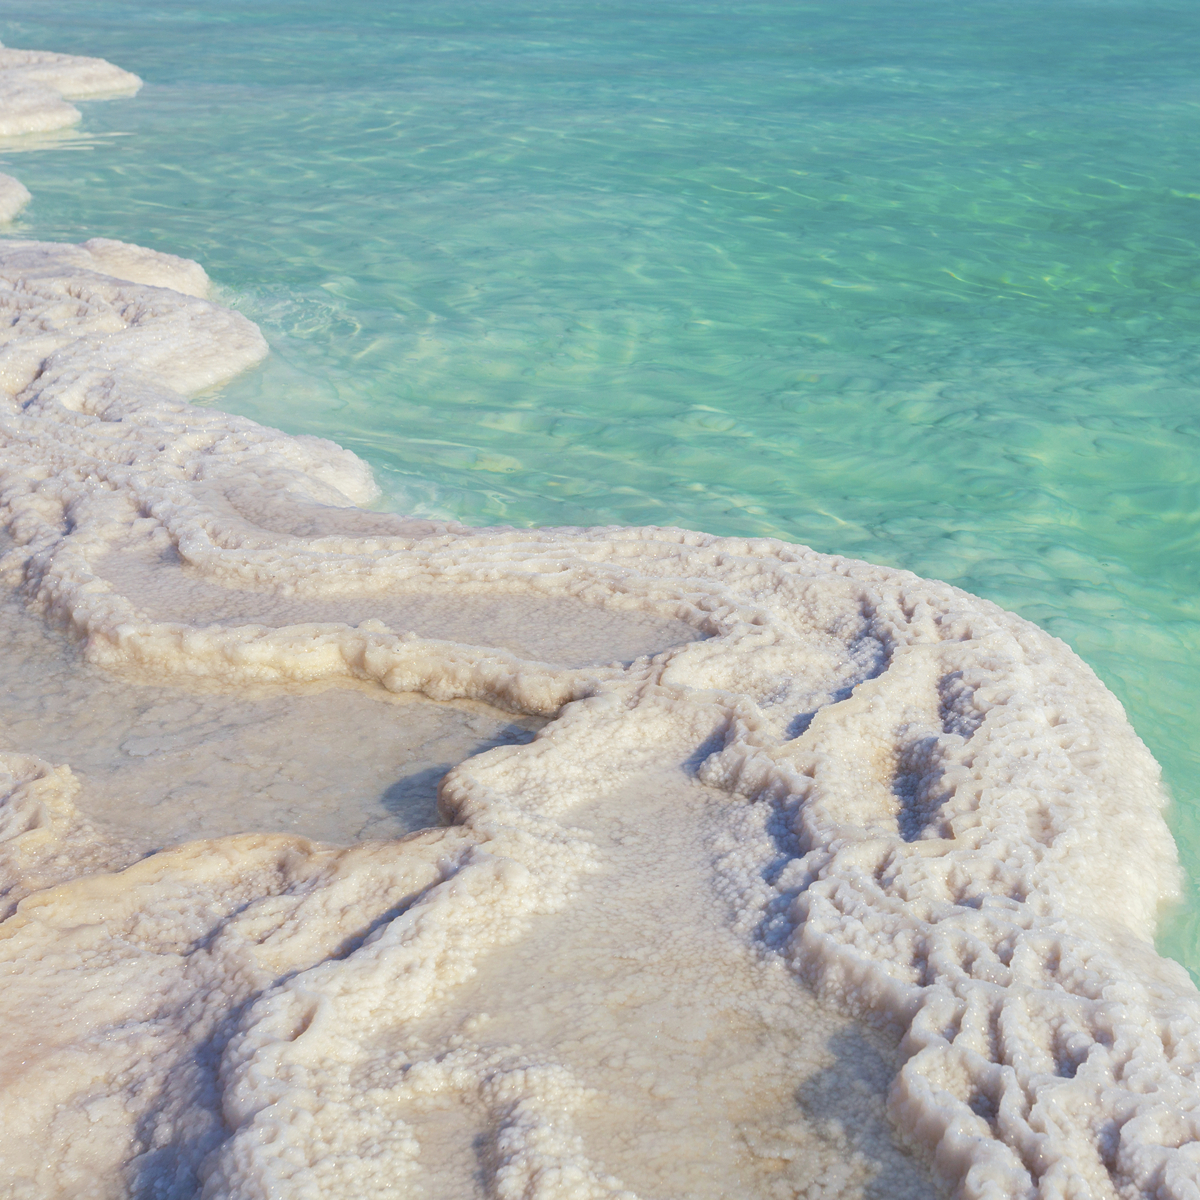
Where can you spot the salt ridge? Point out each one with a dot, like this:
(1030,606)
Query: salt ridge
(967,836)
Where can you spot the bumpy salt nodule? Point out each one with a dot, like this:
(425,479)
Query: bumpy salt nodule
(796,776)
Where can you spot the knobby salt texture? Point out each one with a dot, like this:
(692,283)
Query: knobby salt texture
(800,776)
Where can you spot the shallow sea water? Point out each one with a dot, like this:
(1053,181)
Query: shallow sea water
(913,283)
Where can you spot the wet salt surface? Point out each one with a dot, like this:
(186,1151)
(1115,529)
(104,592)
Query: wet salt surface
(160,765)
(716,1075)
(562,630)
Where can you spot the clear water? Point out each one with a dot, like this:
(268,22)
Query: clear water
(915,282)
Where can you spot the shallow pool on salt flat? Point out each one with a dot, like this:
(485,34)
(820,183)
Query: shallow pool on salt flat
(161,765)
(562,630)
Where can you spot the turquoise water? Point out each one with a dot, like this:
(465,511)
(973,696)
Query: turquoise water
(917,283)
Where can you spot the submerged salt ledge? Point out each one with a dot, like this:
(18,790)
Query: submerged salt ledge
(935,815)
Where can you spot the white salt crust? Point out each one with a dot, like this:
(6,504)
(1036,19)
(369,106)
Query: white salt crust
(14,195)
(803,777)
(36,88)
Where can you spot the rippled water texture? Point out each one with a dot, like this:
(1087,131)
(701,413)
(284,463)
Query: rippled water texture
(911,282)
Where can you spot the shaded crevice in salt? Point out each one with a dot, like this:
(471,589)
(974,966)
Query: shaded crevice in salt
(924,807)
(202,931)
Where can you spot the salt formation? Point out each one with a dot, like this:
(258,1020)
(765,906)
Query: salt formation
(14,195)
(811,807)
(36,88)
(160,764)
(35,92)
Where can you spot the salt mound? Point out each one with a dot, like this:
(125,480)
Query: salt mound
(14,195)
(35,87)
(825,798)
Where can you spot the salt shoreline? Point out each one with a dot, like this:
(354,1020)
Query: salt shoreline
(935,815)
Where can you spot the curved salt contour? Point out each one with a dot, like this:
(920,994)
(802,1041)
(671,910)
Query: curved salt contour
(928,809)
(14,195)
(36,88)
(973,846)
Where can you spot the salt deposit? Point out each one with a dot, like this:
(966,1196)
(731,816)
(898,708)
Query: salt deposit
(811,834)
(161,764)
(36,88)
(14,195)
